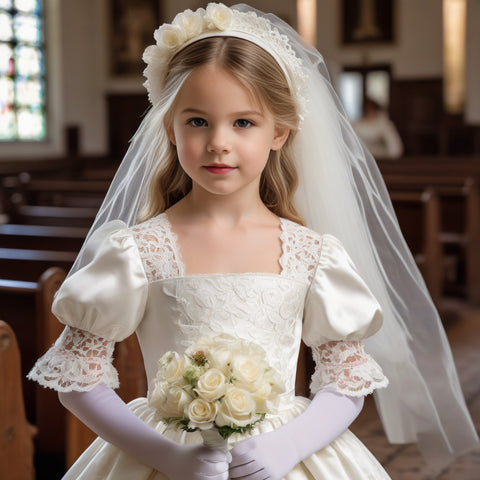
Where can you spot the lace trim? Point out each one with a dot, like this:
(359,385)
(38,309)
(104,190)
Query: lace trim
(346,368)
(157,244)
(78,361)
(301,251)
(161,257)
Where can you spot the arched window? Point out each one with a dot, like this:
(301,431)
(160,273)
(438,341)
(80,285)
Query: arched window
(22,72)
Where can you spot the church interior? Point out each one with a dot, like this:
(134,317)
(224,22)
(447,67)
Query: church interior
(72,96)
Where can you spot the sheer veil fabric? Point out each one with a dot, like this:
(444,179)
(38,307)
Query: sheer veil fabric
(341,192)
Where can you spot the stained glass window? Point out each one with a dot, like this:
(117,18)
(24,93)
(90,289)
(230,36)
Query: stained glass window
(22,71)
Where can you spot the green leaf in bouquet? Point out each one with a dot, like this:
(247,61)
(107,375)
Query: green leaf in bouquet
(228,430)
(181,423)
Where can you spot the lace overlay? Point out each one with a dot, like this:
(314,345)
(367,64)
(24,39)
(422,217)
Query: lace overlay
(265,309)
(77,362)
(157,245)
(346,368)
(301,251)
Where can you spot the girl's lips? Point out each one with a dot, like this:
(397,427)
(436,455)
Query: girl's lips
(219,169)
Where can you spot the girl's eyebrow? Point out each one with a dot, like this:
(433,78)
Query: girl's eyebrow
(245,113)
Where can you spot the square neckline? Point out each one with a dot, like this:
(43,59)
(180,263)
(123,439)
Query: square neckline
(182,267)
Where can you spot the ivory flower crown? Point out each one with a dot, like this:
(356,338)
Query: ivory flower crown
(219,20)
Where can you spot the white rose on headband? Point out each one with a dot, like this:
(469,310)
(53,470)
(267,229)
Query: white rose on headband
(219,16)
(192,23)
(170,36)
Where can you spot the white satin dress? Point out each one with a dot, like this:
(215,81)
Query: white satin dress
(135,281)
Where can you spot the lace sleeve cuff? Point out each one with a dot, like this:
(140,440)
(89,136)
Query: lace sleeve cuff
(78,361)
(346,368)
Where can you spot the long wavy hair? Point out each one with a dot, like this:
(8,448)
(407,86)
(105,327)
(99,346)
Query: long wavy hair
(260,73)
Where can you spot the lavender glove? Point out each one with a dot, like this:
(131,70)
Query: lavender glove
(272,455)
(103,411)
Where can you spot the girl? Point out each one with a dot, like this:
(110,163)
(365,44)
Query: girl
(201,234)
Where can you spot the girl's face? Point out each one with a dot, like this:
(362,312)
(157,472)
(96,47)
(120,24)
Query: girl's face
(222,134)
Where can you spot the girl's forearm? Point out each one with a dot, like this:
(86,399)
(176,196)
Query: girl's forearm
(104,412)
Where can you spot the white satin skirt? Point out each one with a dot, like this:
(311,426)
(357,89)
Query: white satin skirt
(346,458)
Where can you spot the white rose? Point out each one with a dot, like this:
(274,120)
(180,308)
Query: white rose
(201,414)
(172,367)
(264,390)
(236,408)
(220,16)
(247,371)
(211,385)
(156,59)
(170,36)
(219,357)
(169,401)
(192,23)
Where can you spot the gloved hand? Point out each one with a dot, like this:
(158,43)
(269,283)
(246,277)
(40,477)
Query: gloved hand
(104,412)
(272,455)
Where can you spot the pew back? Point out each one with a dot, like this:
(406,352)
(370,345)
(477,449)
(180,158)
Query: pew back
(16,434)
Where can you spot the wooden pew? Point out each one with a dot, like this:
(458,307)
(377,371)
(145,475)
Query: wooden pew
(414,209)
(62,192)
(432,165)
(16,434)
(27,306)
(42,237)
(28,265)
(460,220)
(49,215)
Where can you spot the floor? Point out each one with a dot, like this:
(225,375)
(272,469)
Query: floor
(403,462)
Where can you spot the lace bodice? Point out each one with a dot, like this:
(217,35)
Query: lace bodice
(150,293)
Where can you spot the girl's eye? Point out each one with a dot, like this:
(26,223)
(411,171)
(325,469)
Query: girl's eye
(242,123)
(197,122)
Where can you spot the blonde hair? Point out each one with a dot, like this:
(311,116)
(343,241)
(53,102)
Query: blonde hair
(261,74)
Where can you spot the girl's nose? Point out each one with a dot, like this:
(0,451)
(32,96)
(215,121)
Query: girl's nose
(218,141)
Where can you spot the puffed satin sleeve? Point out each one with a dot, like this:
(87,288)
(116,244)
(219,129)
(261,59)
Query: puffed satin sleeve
(340,311)
(101,303)
(107,296)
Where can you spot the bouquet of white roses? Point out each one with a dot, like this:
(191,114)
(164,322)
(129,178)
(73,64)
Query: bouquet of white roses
(221,384)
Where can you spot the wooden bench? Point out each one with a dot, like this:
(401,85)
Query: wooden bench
(42,237)
(433,166)
(460,222)
(16,434)
(62,192)
(418,214)
(49,215)
(27,306)
(28,265)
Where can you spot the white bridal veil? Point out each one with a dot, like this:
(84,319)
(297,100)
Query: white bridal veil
(341,192)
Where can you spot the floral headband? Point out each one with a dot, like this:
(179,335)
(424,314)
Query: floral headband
(219,20)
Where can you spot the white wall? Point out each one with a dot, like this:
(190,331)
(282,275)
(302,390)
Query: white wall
(84,55)
(415,53)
